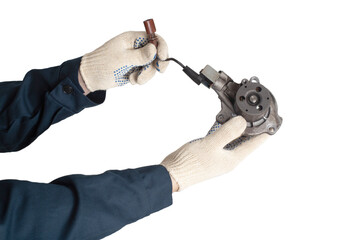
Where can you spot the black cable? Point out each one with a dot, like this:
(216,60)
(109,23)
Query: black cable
(175,60)
(197,78)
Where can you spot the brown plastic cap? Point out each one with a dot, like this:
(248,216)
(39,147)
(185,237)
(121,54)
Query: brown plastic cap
(150,26)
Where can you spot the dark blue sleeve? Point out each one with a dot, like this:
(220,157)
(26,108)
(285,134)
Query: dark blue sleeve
(43,98)
(82,207)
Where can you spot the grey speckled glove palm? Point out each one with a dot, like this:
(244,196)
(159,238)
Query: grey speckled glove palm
(218,153)
(126,58)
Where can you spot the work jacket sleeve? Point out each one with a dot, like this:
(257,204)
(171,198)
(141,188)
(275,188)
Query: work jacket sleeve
(43,98)
(82,207)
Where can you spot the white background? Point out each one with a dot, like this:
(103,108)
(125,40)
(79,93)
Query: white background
(302,184)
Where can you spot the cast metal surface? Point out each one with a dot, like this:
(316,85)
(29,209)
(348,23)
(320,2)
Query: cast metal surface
(250,99)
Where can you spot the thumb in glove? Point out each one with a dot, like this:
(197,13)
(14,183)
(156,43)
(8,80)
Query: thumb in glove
(218,153)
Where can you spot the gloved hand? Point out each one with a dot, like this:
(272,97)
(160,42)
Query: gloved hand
(206,158)
(126,57)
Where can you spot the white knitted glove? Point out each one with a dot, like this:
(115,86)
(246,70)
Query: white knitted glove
(126,57)
(206,158)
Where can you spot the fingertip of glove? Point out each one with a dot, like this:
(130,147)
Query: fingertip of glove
(142,79)
(262,138)
(151,49)
(133,78)
(161,66)
(234,127)
(237,123)
(145,74)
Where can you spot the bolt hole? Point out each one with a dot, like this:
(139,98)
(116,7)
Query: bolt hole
(271,130)
(242,98)
(246,110)
(259,107)
(267,98)
(258,89)
(254,80)
(245,86)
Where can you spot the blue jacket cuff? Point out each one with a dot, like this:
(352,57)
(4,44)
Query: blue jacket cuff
(69,93)
(158,186)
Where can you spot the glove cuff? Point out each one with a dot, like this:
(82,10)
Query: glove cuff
(184,168)
(94,70)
